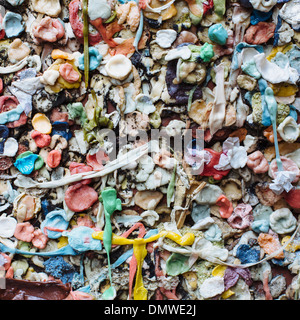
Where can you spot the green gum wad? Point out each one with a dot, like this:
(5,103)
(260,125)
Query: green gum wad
(219,7)
(177,264)
(218,34)
(206,52)
(76,110)
(110,201)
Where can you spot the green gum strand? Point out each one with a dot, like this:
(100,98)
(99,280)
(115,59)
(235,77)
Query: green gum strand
(110,203)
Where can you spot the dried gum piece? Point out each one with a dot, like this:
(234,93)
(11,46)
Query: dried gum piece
(41,123)
(270,244)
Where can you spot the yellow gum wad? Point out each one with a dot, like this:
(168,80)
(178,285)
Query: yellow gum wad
(284,89)
(165,14)
(61,83)
(140,252)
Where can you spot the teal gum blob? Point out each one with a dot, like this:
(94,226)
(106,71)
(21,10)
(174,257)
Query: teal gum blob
(218,34)
(95,59)
(13,24)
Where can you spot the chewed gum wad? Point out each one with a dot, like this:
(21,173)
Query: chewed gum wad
(149,150)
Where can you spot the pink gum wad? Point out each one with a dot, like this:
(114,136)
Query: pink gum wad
(48,30)
(68,73)
(26,232)
(257,162)
(41,140)
(225,205)
(288,165)
(241,217)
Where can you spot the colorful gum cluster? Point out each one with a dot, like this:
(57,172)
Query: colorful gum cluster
(94,205)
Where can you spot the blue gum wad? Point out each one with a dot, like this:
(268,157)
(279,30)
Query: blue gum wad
(61,128)
(95,59)
(13,24)
(218,34)
(81,239)
(258,16)
(28,161)
(26,165)
(55,219)
(60,269)
(246,254)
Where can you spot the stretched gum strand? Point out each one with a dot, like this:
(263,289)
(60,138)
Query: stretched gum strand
(139,250)
(86,41)
(272,107)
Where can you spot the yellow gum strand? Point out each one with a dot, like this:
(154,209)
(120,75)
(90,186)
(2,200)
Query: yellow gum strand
(140,252)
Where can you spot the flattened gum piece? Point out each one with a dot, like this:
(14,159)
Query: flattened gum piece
(260,33)
(41,123)
(270,244)
(144,199)
(68,73)
(18,50)
(42,140)
(80,197)
(24,231)
(54,158)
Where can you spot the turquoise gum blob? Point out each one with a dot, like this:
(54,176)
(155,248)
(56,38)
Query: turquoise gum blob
(11,115)
(95,59)
(56,219)
(38,163)
(218,34)
(26,164)
(13,24)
